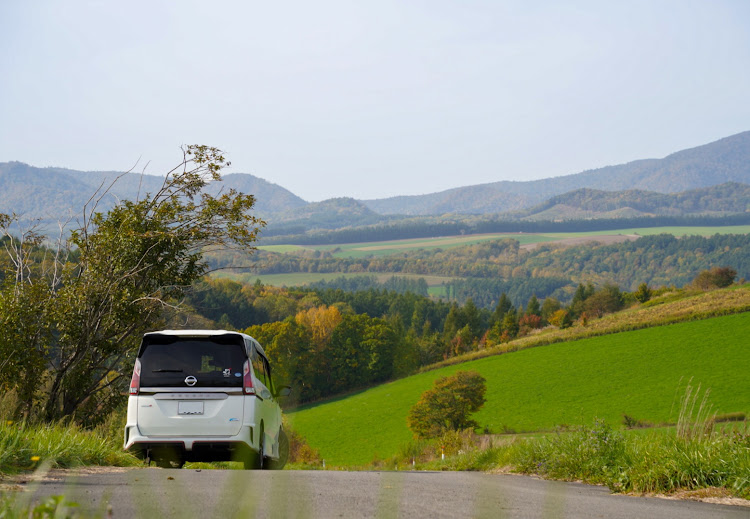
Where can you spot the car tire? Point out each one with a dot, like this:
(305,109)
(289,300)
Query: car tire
(279,463)
(170,464)
(255,460)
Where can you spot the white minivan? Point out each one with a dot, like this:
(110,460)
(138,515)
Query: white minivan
(204,395)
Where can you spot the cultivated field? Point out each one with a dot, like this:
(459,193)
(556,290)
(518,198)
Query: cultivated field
(354,250)
(386,248)
(640,373)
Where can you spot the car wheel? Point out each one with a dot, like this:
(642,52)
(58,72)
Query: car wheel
(170,464)
(278,464)
(261,457)
(254,460)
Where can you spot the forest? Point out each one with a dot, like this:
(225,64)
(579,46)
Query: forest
(485,270)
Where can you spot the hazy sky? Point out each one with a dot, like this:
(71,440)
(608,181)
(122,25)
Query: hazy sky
(371,99)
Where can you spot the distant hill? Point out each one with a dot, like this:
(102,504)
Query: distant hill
(728,198)
(55,193)
(726,160)
(330,214)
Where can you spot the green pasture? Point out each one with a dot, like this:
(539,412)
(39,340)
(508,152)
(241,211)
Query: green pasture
(640,373)
(387,248)
(296,279)
(675,231)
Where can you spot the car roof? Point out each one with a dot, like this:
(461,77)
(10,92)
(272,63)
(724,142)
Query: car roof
(207,333)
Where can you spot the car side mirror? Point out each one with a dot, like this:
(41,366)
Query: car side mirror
(284,391)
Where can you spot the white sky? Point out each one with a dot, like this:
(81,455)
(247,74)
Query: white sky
(373,98)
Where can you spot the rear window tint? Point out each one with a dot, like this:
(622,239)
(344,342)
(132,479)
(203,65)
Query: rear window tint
(166,361)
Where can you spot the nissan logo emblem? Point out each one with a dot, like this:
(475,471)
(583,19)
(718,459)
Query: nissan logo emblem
(191,380)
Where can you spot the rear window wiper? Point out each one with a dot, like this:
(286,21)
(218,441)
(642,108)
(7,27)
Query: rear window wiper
(166,371)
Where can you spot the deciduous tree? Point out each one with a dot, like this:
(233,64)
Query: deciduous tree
(448,405)
(119,270)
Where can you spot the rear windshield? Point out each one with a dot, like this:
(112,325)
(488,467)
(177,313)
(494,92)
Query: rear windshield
(167,360)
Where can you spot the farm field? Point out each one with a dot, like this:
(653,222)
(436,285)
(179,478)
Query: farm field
(355,250)
(641,373)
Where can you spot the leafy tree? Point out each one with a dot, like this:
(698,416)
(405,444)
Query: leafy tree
(119,271)
(533,307)
(448,405)
(606,300)
(510,325)
(24,340)
(321,322)
(454,321)
(463,341)
(643,293)
(549,307)
(503,306)
(472,318)
(581,294)
(288,347)
(561,318)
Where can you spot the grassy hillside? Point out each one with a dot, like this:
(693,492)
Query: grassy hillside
(639,373)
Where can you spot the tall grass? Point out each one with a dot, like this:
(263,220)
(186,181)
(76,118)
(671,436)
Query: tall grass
(54,507)
(696,455)
(657,463)
(696,420)
(24,446)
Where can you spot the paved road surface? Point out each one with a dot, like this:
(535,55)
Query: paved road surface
(156,493)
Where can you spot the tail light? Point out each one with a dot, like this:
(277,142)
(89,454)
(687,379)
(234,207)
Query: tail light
(247,379)
(135,382)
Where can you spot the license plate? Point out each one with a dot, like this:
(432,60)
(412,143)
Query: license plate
(189,407)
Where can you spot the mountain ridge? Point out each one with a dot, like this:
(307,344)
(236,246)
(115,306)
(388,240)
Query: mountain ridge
(718,162)
(59,192)
(55,193)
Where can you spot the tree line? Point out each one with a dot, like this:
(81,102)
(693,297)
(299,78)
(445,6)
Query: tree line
(484,270)
(433,227)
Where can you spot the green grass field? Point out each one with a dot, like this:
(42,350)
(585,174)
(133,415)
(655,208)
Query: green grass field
(640,373)
(357,250)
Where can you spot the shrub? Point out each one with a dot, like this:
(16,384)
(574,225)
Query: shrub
(717,277)
(529,322)
(729,417)
(633,423)
(593,454)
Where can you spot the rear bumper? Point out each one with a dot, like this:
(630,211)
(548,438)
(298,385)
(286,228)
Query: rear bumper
(233,448)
